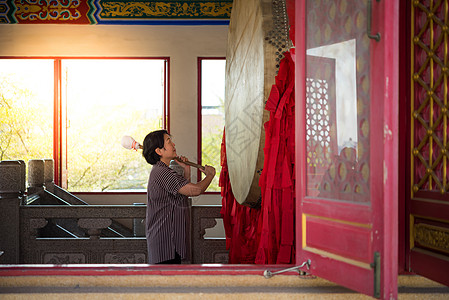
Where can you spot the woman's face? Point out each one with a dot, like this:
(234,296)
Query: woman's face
(169,150)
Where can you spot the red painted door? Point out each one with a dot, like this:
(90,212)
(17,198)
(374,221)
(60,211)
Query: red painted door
(347,142)
(427,185)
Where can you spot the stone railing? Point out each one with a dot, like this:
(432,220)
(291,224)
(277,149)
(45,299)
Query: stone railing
(77,231)
(92,249)
(207,249)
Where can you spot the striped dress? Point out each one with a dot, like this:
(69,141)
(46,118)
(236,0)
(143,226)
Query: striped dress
(166,214)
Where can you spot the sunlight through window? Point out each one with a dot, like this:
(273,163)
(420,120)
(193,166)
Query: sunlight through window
(26,109)
(107,99)
(100,100)
(212,114)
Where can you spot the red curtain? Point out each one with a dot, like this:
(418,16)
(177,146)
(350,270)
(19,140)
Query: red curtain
(266,235)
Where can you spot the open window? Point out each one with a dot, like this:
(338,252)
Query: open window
(26,109)
(76,111)
(211,85)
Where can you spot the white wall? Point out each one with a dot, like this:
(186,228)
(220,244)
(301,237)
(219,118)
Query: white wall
(183,44)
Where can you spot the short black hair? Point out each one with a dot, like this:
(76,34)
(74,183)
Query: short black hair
(152,141)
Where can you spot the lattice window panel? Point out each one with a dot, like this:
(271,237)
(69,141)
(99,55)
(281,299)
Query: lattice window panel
(430,72)
(320,118)
(317,126)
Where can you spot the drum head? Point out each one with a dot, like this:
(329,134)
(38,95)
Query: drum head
(250,73)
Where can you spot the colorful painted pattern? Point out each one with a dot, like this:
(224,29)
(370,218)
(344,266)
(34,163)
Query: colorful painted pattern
(58,12)
(4,12)
(165,9)
(115,12)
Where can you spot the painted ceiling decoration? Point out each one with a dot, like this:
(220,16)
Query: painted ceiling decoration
(138,12)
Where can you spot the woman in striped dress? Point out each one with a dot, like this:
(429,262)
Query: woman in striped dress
(167,193)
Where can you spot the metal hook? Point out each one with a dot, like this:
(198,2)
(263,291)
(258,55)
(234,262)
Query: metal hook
(368,23)
(268,274)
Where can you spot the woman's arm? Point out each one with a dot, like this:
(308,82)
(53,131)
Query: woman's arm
(196,189)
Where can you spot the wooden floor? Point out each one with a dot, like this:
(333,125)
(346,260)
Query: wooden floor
(199,287)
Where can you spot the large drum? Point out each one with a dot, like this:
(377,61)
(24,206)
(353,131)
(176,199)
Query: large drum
(258,35)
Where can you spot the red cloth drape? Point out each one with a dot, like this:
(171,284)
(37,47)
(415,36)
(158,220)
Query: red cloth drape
(240,222)
(266,235)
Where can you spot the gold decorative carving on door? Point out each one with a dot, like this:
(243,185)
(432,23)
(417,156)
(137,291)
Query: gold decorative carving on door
(429,108)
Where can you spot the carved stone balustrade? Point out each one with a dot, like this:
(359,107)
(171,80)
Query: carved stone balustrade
(210,250)
(74,250)
(94,226)
(35,225)
(36,175)
(49,171)
(12,190)
(12,178)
